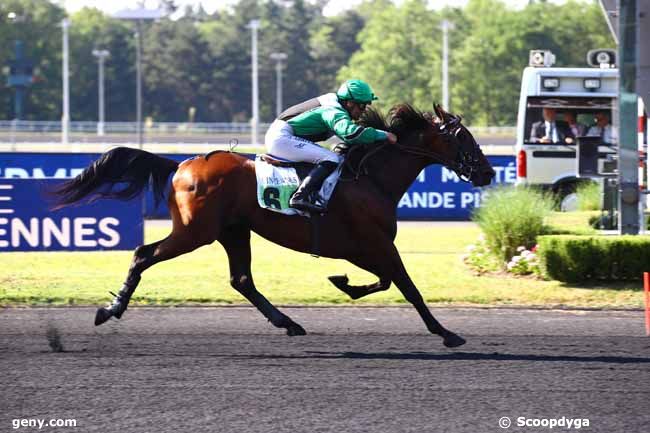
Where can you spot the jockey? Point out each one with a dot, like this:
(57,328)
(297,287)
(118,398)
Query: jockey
(293,135)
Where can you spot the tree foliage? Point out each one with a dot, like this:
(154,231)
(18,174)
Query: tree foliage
(202,62)
(398,54)
(488,64)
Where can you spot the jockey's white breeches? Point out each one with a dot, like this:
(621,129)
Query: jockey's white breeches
(281,142)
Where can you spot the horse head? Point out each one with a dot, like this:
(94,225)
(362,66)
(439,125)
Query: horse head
(463,154)
(444,140)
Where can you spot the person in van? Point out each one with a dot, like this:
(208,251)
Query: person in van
(602,128)
(549,130)
(576,129)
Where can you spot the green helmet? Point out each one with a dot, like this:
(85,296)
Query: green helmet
(356,91)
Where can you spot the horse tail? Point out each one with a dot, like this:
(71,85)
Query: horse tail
(121,173)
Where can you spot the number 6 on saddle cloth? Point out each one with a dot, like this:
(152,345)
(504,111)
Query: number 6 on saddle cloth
(278,179)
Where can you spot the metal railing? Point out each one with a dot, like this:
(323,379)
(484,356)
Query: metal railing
(89,127)
(40,126)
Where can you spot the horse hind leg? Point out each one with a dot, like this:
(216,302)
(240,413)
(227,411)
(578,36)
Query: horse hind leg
(236,242)
(356,292)
(144,257)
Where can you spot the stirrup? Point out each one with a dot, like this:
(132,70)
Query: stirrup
(306,205)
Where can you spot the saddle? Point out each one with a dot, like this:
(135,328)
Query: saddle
(302,168)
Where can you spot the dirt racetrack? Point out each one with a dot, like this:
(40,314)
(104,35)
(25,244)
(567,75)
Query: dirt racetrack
(358,370)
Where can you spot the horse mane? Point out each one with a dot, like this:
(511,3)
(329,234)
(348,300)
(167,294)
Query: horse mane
(401,119)
(373,118)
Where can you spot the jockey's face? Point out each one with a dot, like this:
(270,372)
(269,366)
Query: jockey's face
(355,109)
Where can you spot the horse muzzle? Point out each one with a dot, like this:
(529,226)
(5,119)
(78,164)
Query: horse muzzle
(482,177)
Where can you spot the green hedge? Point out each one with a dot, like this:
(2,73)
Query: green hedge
(575,259)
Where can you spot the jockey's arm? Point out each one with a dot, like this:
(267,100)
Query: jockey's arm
(348,131)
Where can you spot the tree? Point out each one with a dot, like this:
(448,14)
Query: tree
(286,28)
(178,66)
(228,39)
(43,47)
(396,55)
(204,61)
(332,45)
(91,29)
(488,64)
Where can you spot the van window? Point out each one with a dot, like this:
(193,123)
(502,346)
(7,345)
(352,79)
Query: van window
(563,110)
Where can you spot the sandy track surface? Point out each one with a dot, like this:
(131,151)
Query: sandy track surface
(358,370)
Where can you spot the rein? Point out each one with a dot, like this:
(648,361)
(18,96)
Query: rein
(406,149)
(425,153)
(360,168)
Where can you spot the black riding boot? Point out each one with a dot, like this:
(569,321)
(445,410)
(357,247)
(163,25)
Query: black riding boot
(306,198)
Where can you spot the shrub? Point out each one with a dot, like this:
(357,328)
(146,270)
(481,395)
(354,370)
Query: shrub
(511,217)
(589,196)
(576,259)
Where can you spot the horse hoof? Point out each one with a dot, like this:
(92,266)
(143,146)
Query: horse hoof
(294,329)
(103,314)
(453,340)
(340,281)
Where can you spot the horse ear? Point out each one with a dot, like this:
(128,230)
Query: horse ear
(441,113)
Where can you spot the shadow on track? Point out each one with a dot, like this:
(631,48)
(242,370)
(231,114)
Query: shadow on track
(423,356)
(472,356)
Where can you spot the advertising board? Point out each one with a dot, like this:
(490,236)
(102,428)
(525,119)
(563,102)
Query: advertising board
(437,193)
(27,222)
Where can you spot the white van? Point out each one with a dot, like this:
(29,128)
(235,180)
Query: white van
(546,138)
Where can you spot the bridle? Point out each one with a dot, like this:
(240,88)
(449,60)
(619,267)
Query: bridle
(464,165)
(467,151)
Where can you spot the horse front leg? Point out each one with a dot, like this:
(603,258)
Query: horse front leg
(411,294)
(394,267)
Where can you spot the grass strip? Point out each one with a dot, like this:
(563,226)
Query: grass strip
(431,253)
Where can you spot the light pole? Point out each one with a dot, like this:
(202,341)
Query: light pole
(19,75)
(254,25)
(138,82)
(65,118)
(279,58)
(139,15)
(101,57)
(446,26)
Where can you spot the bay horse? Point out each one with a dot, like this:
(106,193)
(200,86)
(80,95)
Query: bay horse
(213,197)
